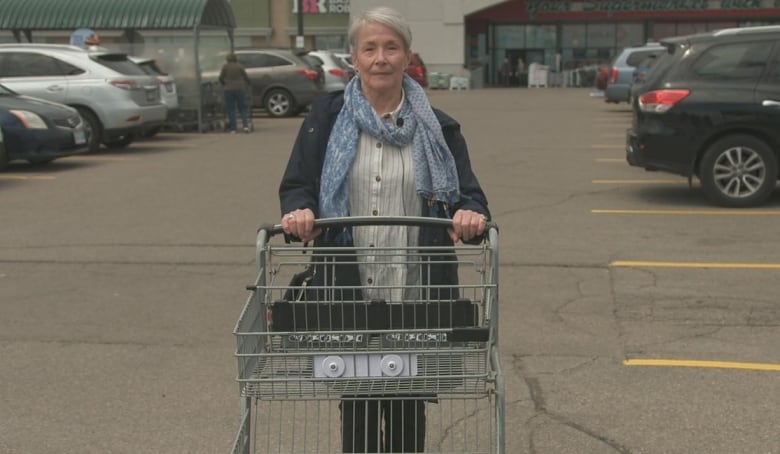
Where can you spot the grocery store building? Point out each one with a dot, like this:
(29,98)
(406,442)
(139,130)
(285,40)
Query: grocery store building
(474,36)
(465,37)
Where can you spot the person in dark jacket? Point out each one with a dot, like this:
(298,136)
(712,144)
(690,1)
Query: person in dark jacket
(379,148)
(235,84)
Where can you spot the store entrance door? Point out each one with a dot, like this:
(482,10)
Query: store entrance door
(514,56)
(534,56)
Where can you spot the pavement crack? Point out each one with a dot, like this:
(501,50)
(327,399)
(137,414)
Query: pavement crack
(536,391)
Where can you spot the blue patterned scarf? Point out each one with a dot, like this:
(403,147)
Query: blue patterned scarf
(436,176)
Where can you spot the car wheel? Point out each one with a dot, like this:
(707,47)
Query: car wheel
(120,141)
(92,129)
(279,103)
(738,171)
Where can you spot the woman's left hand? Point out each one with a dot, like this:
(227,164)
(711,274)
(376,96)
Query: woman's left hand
(467,224)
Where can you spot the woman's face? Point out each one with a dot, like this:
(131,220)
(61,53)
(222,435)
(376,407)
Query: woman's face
(381,58)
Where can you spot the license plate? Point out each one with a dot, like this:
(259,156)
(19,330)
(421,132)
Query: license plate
(151,95)
(169,87)
(79,137)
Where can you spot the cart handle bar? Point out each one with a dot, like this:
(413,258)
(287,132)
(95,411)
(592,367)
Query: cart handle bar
(356,221)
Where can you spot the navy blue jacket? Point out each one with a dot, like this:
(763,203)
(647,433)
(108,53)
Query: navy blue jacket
(300,184)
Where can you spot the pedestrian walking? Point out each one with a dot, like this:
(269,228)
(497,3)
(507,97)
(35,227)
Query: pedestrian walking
(235,85)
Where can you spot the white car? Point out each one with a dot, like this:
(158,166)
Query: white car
(168,93)
(337,73)
(114,96)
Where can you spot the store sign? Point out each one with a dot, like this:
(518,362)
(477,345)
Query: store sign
(322,6)
(540,7)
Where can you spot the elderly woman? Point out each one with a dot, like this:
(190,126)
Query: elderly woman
(379,148)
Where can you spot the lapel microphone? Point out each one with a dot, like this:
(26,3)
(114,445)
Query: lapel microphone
(399,122)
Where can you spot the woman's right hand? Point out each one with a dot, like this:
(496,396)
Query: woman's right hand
(300,224)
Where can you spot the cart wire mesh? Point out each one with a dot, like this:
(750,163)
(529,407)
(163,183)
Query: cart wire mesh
(308,343)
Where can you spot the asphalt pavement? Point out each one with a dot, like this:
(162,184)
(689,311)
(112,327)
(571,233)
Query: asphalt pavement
(635,316)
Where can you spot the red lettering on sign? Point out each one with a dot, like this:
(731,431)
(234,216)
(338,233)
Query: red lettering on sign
(310,7)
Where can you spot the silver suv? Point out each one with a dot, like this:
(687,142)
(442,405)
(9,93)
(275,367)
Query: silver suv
(621,75)
(282,83)
(114,96)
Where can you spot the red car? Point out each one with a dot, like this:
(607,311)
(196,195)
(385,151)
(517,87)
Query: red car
(417,70)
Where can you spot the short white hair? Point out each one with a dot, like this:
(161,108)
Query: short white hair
(385,16)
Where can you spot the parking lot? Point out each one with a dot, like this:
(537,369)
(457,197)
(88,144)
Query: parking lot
(635,316)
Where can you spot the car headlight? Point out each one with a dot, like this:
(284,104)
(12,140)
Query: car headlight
(29,119)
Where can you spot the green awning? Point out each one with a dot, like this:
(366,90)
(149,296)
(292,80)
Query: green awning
(115,14)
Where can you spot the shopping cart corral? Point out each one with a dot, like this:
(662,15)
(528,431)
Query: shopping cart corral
(327,366)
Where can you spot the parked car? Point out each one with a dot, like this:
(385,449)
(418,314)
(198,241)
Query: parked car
(38,131)
(113,95)
(417,70)
(346,58)
(621,73)
(282,82)
(710,108)
(3,152)
(336,72)
(642,69)
(168,93)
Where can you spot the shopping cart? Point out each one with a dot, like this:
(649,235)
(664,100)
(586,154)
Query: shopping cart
(323,368)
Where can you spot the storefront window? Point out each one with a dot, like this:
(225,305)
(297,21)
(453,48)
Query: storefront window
(540,36)
(629,35)
(601,35)
(573,35)
(330,42)
(721,25)
(663,30)
(510,36)
(690,28)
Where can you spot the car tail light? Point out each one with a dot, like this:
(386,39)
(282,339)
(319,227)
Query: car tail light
(613,77)
(125,84)
(310,74)
(660,101)
(337,72)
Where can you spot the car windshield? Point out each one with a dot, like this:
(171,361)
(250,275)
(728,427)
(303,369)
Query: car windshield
(5,91)
(120,64)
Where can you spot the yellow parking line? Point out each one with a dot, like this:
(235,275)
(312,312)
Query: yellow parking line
(611,160)
(27,177)
(611,146)
(648,264)
(638,181)
(693,212)
(705,364)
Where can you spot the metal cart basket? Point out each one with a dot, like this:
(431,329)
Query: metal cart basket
(332,362)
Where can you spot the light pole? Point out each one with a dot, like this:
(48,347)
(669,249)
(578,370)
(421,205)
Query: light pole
(299,39)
